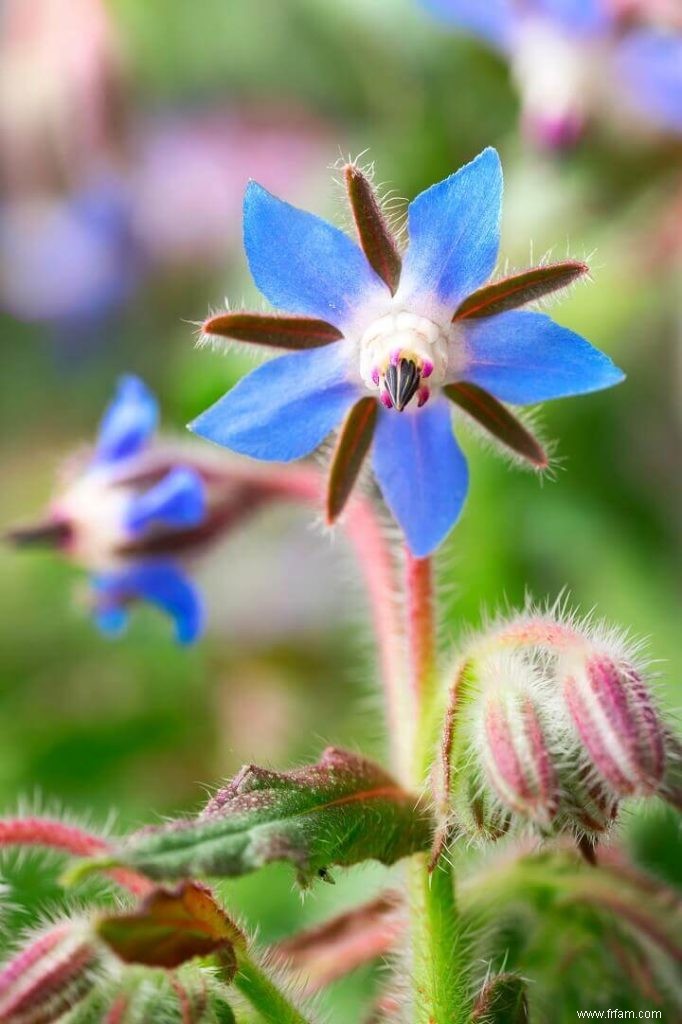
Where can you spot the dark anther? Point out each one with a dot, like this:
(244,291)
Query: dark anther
(402,382)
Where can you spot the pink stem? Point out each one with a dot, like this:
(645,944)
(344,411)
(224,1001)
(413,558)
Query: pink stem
(420,625)
(55,835)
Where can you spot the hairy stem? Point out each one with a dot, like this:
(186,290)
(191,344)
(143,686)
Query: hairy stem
(57,835)
(439,953)
(440,966)
(265,997)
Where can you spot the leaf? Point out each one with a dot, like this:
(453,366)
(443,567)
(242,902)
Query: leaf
(512,292)
(338,946)
(378,244)
(290,332)
(498,420)
(171,926)
(351,448)
(342,810)
(502,1000)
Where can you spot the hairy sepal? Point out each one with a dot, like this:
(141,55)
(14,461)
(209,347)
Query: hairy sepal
(376,239)
(340,811)
(502,1000)
(354,440)
(271,330)
(497,419)
(520,289)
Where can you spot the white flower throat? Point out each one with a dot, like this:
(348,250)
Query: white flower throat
(403,355)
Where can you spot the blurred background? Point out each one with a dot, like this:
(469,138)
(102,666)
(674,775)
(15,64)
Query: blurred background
(127,133)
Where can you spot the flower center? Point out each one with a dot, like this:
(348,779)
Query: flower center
(398,353)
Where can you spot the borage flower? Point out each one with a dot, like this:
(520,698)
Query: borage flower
(385,342)
(572,59)
(136,512)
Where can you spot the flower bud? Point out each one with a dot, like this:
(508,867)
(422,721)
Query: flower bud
(517,759)
(49,976)
(612,712)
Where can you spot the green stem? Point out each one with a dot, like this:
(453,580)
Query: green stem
(440,967)
(263,994)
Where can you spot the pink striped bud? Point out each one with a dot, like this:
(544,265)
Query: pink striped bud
(516,757)
(49,976)
(614,717)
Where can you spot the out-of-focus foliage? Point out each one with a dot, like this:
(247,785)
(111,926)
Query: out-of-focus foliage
(207,96)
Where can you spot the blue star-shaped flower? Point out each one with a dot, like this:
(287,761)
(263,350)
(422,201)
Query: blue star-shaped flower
(385,342)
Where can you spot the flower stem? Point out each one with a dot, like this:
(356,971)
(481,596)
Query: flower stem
(265,997)
(439,952)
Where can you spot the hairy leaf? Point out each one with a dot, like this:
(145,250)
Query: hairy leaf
(376,239)
(171,926)
(351,448)
(516,291)
(498,420)
(340,811)
(271,330)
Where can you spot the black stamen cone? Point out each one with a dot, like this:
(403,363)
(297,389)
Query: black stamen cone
(402,382)
(49,534)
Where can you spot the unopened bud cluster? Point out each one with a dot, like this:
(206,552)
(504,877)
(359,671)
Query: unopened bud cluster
(559,726)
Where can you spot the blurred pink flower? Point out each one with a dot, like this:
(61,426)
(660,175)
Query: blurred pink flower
(191,171)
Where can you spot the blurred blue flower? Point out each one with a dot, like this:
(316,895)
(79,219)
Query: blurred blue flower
(69,261)
(129,513)
(571,57)
(401,343)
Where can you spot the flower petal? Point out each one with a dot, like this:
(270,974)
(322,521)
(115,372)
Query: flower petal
(649,64)
(454,230)
(128,422)
(160,583)
(177,500)
(301,263)
(285,408)
(526,357)
(422,473)
(493,20)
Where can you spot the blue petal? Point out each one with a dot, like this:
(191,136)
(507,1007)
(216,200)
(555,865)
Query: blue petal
(454,230)
(128,422)
(422,472)
(584,17)
(301,263)
(493,20)
(525,357)
(178,500)
(650,64)
(285,408)
(162,584)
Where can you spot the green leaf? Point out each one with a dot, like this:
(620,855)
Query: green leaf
(516,291)
(497,420)
(351,448)
(502,1000)
(172,926)
(340,811)
(378,244)
(271,330)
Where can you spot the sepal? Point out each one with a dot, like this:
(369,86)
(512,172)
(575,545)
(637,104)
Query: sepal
(376,239)
(272,330)
(352,445)
(496,418)
(512,292)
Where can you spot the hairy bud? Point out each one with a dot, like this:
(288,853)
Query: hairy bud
(549,722)
(612,712)
(49,976)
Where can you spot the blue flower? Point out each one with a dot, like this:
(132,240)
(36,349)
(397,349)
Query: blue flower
(132,507)
(385,343)
(563,53)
